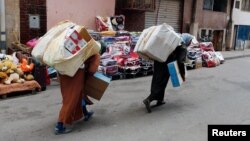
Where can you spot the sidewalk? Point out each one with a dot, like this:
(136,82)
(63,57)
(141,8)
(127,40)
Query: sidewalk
(235,54)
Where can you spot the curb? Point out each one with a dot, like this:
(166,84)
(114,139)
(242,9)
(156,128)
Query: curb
(236,57)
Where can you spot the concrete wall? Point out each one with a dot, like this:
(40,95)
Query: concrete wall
(240,17)
(12,19)
(187,15)
(82,12)
(214,20)
(211,19)
(194,17)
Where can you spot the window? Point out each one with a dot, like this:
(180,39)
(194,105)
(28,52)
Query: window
(237,4)
(208,4)
(245,5)
(210,33)
(206,35)
(203,33)
(215,5)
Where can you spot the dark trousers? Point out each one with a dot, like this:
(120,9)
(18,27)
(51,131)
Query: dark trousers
(159,81)
(161,73)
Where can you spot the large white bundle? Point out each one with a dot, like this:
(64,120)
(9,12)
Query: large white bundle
(143,40)
(157,42)
(67,49)
(43,42)
(55,52)
(57,56)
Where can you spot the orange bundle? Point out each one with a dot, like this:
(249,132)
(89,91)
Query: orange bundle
(25,66)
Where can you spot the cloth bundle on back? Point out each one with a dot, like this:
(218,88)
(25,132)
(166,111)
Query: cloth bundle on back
(53,48)
(157,42)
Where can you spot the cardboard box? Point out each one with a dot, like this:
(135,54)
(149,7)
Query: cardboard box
(198,63)
(74,42)
(175,75)
(96,85)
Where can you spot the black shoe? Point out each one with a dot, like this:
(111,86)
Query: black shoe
(159,103)
(147,104)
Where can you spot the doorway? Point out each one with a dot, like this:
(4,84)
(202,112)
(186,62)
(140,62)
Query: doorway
(218,40)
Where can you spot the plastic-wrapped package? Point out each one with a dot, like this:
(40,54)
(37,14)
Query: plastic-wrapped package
(157,42)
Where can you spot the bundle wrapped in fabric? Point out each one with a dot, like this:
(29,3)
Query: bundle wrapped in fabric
(43,42)
(103,24)
(113,23)
(157,42)
(66,50)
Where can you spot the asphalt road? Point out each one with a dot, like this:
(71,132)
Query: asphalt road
(217,95)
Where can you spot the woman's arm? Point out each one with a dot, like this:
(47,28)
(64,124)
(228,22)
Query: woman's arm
(92,64)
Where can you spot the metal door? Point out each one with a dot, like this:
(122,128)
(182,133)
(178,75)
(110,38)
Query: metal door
(167,11)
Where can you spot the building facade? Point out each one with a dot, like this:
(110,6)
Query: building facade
(224,22)
(240,27)
(142,14)
(209,20)
(206,19)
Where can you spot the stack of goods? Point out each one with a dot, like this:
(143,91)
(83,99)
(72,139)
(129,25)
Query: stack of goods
(118,59)
(194,53)
(210,57)
(118,50)
(108,66)
(203,54)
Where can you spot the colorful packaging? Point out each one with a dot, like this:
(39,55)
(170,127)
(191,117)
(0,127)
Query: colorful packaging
(175,75)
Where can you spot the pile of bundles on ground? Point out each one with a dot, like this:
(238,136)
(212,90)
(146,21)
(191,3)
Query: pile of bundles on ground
(117,55)
(203,54)
(131,53)
(123,53)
